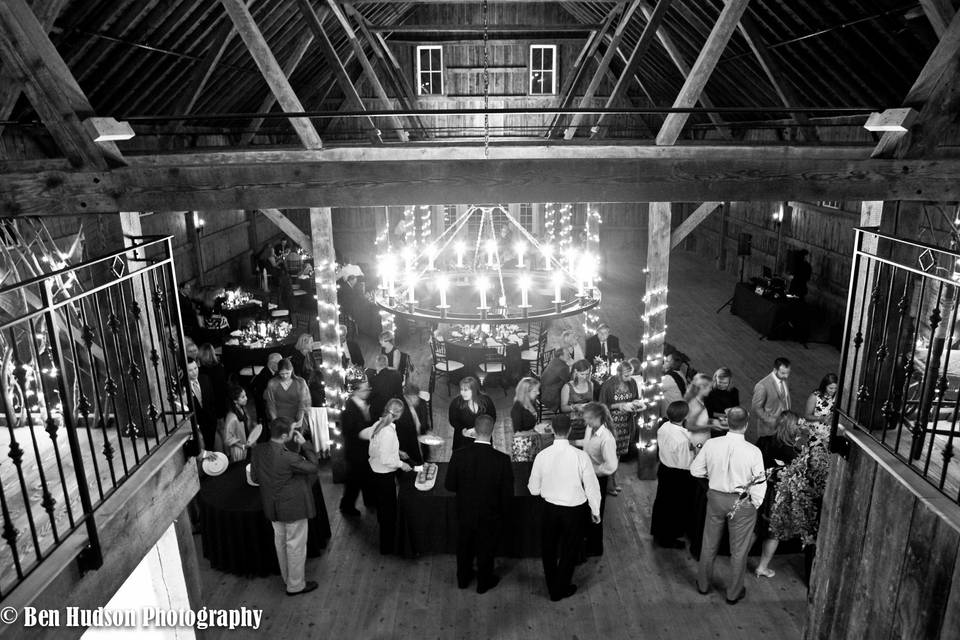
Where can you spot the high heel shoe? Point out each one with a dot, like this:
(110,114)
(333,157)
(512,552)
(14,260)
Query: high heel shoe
(764,573)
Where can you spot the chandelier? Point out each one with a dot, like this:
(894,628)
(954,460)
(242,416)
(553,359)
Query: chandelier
(486,268)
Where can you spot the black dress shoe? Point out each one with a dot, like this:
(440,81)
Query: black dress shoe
(564,593)
(702,592)
(307,588)
(488,584)
(738,598)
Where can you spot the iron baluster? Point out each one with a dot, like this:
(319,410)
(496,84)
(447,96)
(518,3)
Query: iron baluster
(133,355)
(130,429)
(910,367)
(83,406)
(108,450)
(927,388)
(110,388)
(894,412)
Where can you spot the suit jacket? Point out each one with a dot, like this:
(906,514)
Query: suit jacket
(482,478)
(555,375)
(206,408)
(286,481)
(407,431)
(593,347)
(352,422)
(765,407)
(386,384)
(403,360)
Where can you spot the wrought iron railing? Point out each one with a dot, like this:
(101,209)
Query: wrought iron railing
(900,364)
(92,359)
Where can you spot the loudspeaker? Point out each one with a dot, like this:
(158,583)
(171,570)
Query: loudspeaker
(744,241)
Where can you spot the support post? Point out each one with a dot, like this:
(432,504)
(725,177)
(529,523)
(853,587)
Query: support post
(722,244)
(328,310)
(194,235)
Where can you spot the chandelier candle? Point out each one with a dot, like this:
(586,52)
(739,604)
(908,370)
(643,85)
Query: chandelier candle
(459,247)
(482,285)
(520,248)
(557,284)
(547,256)
(524,292)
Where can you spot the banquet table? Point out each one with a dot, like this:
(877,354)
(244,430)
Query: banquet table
(472,354)
(770,318)
(237,537)
(427,520)
(237,356)
(243,314)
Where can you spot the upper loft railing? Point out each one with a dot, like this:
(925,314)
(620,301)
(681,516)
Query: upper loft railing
(92,359)
(901,354)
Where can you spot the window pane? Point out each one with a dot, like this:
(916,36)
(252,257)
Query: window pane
(548,58)
(435,59)
(536,62)
(547,81)
(424,59)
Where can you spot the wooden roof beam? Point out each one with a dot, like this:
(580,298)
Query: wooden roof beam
(315,23)
(272,73)
(602,68)
(430,29)
(940,13)
(700,72)
(691,222)
(673,52)
(438,173)
(368,70)
(935,95)
(286,225)
(36,66)
(633,63)
(299,50)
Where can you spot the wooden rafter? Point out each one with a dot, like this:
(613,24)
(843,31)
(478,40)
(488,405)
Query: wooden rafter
(573,78)
(315,23)
(272,73)
(430,173)
(287,226)
(440,29)
(940,13)
(673,52)
(368,70)
(691,222)
(700,72)
(299,50)
(602,68)
(46,12)
(633,63)
(205,68)
(935,95)
(36,66)
(781,85)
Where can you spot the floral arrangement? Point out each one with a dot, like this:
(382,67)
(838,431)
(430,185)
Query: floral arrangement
(796,508)
(744,491)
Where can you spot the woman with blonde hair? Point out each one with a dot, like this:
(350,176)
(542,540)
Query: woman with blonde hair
(302,356)
(781,450)
(698,418)
(523,414)
(723,395)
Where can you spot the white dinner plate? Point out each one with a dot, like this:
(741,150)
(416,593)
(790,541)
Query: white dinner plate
(214,463)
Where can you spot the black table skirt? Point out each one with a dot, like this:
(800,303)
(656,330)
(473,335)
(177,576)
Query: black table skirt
(235,357)
(237,537)
(472,356)
(770,318)
(427,520)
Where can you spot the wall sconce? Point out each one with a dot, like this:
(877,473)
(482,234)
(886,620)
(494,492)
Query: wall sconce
(198,223)
(778,215)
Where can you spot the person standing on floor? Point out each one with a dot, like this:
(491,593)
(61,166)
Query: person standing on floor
(285,478)
(671,507)
(600,444)
(732,466)
(482,478)
(771,397)
(563,476)
(385,461)
(354,418)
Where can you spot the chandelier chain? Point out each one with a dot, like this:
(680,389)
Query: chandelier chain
(486,83)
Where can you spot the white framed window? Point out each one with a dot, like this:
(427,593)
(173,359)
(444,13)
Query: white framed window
(430,70)
(543,69)
(526,216)
(832,204)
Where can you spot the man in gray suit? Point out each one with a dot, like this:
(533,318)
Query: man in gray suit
(286,488)
(771,397)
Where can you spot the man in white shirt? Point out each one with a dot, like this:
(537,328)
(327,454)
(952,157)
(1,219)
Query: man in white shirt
(674,502)
(563,476)
(733,467)
(771,397)
(385,460)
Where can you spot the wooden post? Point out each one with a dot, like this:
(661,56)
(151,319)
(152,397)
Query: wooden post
(783,228)
(328,310)
(654,332)
(722,244)
(193,234)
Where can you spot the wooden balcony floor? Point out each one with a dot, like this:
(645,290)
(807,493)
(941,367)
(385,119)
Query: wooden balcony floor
(634,591)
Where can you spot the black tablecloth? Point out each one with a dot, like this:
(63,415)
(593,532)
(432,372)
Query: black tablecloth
(237,537)
(473,355)
(238,317)
(427,520)
(774,319)
(236,357)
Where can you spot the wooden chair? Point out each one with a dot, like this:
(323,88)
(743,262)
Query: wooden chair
(427,398)
(494,363)
(533,357)
(442,366)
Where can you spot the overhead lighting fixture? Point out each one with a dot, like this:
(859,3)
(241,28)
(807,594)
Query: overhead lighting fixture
(897,120)
(107,129)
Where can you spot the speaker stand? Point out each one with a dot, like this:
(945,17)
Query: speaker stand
(730,301)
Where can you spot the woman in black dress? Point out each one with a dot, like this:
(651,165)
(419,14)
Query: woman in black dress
(723,396)
(778,454)
(523,414)
(466,407)
(210,366)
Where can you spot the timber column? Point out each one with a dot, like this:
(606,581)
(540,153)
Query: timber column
(328,310)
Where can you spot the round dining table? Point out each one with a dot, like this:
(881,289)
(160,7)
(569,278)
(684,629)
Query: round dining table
(472,350)
(235,355)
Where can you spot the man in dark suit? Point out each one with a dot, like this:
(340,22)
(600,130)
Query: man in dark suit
(386,383)
(202,403)
(286,489)
(482,478)
(555,375)
(603,345)
(412,424)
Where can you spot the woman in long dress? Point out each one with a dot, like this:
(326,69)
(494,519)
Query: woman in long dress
(236,425)
(465,408)
(820,404)
(575,395)
(621,396)
(698,417)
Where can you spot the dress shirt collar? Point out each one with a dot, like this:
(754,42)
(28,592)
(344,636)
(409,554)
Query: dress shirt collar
(483,442)
(733,434)
(562,442)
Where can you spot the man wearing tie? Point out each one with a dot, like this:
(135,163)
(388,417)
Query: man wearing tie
(202,403)
(603,345)
(564,477)
(482,478)
(771,397)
